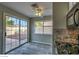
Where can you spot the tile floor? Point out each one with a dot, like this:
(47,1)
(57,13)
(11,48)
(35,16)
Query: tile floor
(33,48)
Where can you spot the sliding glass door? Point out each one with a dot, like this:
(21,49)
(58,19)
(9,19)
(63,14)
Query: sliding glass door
(16,32)
(8,33)
(23,31)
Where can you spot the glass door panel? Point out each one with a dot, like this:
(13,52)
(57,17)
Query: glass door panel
(8,33)
(23,31)
(15,33)
(12,33)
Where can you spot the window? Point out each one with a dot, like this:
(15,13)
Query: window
(39,27)
(48,27)
(43,27)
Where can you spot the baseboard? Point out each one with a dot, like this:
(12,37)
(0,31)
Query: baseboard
(42,42)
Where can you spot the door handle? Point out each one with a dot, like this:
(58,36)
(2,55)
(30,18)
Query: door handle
(5,33)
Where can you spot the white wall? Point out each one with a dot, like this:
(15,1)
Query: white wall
(60,10)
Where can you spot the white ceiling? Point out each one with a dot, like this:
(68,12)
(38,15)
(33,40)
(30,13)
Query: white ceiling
(26,9)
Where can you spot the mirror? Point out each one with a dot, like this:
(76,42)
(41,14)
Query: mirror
(70,21)
(76,19)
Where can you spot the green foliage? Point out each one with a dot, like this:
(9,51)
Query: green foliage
(38,24)
(9,22)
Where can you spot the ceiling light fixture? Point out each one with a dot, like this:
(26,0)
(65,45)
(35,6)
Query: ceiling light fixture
(37,10)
